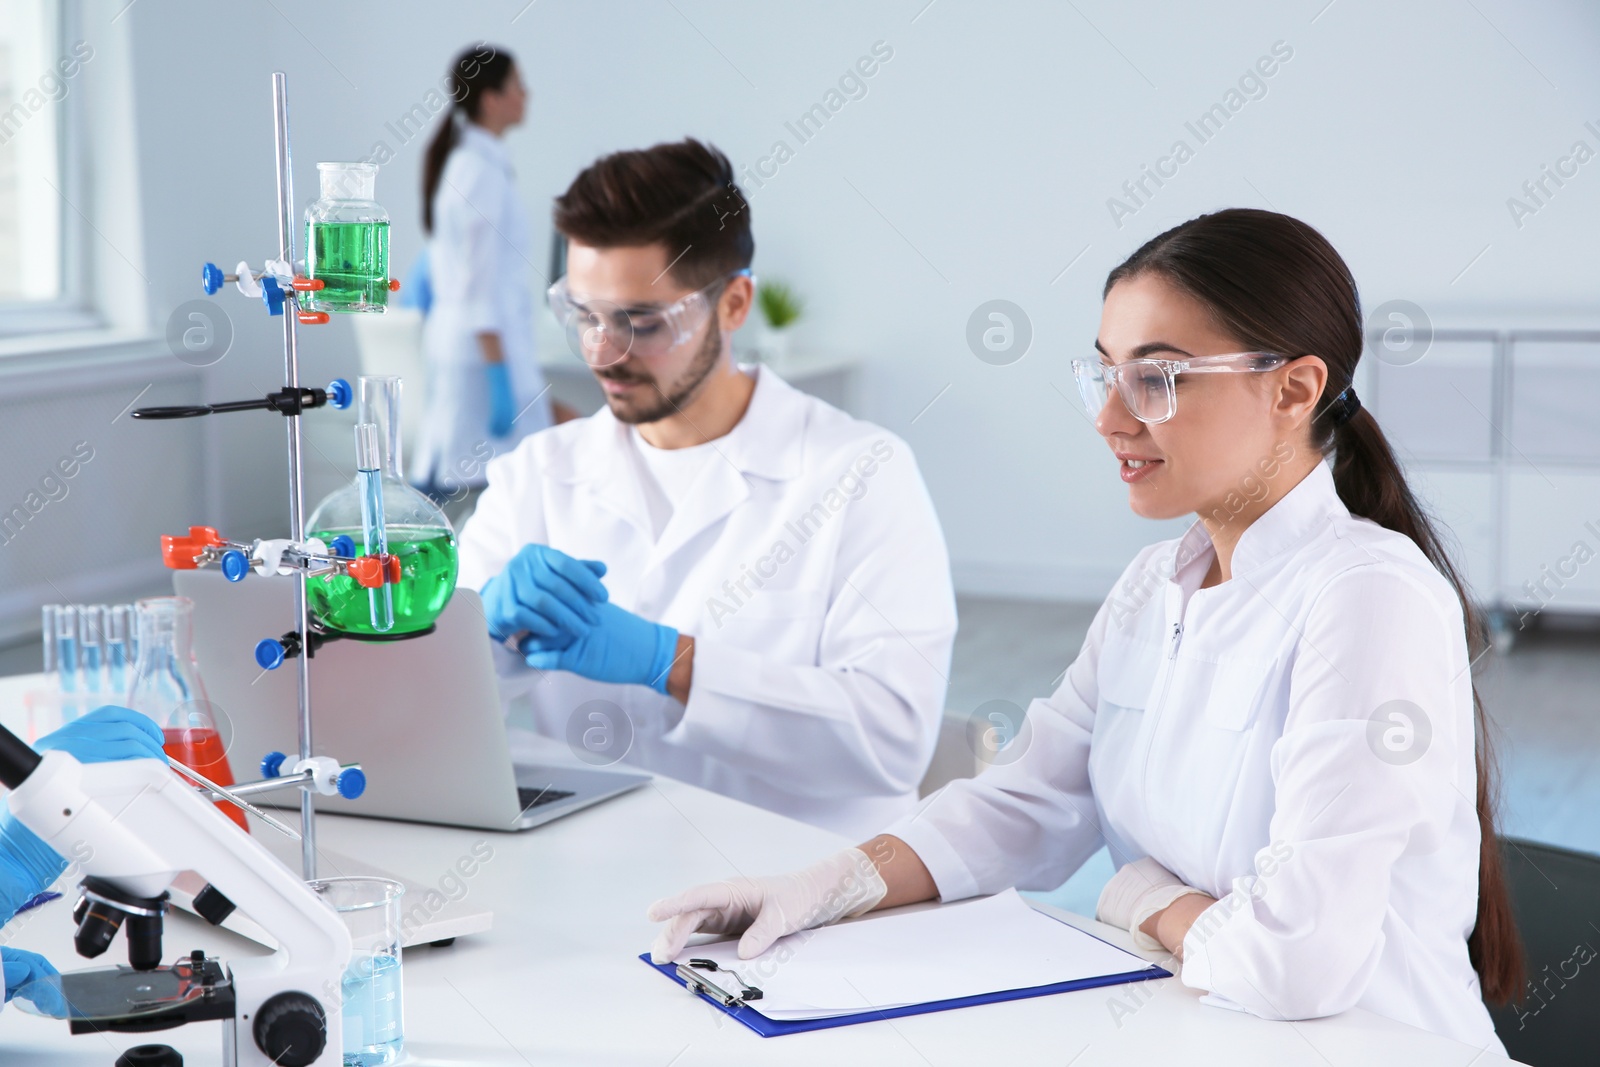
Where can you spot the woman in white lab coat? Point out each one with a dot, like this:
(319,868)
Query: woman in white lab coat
(485,389)
(1272,721)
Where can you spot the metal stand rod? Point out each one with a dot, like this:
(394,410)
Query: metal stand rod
(286,252)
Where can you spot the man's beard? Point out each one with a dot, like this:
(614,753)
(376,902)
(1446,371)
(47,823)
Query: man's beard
(661,403)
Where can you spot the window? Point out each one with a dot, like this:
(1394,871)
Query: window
(42,264)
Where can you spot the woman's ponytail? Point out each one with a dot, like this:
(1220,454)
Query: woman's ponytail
(1277,285)
(1372,485)
(481,67)
(444,141)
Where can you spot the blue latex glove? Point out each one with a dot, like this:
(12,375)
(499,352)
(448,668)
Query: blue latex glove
(619,647)
(27,864)
(33,971)
(106,734)
(502,409)
(544,592)
(417,292)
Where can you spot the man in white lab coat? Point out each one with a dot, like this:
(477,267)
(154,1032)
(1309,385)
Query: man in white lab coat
(716,576)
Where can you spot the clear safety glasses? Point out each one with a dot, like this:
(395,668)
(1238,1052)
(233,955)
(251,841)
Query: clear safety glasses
(1148,387)
(601,333)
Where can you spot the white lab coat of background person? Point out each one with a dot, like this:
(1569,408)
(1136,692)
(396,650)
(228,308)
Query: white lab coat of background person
(479,255)
(1246,737)
(817,694)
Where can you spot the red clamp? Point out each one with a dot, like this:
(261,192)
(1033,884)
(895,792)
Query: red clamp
(394,285)
(182,553)
(307,285)
(311,318)
(372,572)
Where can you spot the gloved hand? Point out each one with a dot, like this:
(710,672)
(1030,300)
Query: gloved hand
(35,978)
(1137,891)
(619,647)
(106,734)
(842,886)
(502,409)
(546,593)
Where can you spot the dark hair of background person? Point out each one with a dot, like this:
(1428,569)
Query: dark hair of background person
(481,67)
(1276,285)
(680,195)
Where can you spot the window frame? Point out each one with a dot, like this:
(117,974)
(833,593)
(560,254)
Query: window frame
(74,308)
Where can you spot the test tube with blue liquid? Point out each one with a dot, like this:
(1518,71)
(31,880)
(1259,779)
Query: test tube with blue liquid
(47,635)
(375,541)
(117,646)
(67,647)
(91,647)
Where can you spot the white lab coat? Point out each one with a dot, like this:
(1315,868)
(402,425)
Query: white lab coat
(1229,734)
(808,564)
(479,255)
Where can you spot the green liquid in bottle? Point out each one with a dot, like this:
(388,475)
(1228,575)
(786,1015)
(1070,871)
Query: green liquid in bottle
(427,578)
(352,261)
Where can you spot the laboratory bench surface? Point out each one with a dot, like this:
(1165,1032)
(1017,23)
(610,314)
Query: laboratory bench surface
(557,980)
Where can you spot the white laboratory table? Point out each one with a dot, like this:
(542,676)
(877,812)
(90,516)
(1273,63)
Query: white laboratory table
(557,980)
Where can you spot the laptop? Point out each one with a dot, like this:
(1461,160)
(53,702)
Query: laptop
(421,715)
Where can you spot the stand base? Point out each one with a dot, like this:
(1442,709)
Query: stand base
(421,922)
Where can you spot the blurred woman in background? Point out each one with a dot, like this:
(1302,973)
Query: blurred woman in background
(485,388)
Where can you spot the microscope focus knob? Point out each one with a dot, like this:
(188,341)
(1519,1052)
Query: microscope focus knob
(150,1056)
(291,1029)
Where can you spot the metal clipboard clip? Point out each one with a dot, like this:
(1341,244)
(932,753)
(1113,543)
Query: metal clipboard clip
(699,983)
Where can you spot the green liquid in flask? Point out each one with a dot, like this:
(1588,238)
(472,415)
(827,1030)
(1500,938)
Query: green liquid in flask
(427,578)
(351,259)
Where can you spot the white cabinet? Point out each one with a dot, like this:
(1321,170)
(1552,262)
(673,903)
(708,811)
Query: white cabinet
(1499,432)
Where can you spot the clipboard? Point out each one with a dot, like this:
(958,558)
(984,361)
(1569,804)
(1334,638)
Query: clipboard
(733,992)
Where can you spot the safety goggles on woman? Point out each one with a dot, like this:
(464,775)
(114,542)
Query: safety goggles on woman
(1148,387)
(602,333)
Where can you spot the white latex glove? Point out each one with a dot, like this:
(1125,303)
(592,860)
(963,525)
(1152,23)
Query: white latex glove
(842,886)
(1137,891)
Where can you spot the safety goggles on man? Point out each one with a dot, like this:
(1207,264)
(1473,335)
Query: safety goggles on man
(1148,387)
(602,333)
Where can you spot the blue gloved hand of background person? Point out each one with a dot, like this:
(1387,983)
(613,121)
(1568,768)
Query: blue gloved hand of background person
(619,647)
(35,978)
(502,408)
(106,734)
(546,593)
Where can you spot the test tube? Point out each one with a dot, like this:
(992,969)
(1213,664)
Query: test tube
(47,636)
(67,647)
(116,617)
(91,647)
(375,539)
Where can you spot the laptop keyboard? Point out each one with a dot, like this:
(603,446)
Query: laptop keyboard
(533,798)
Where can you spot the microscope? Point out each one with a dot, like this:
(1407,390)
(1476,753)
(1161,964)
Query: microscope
(137,826)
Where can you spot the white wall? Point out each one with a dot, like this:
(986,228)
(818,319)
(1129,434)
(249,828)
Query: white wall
(977,166)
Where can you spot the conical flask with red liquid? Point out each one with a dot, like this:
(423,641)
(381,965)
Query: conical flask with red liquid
(166,686)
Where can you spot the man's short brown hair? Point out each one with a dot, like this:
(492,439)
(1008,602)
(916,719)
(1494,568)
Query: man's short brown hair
(680,195)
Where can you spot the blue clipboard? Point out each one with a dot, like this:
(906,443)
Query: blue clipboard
(775,1028)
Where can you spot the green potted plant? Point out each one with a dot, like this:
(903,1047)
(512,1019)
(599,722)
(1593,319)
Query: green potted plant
(781,307)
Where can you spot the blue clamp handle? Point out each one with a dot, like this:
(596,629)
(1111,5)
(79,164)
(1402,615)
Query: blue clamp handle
(272,764)
(351,783)
(340,394)
(343,546)
(211,279)
(272,295)
(269,654)
(235,565)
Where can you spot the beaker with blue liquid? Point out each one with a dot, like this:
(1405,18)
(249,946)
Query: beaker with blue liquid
(370,996)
